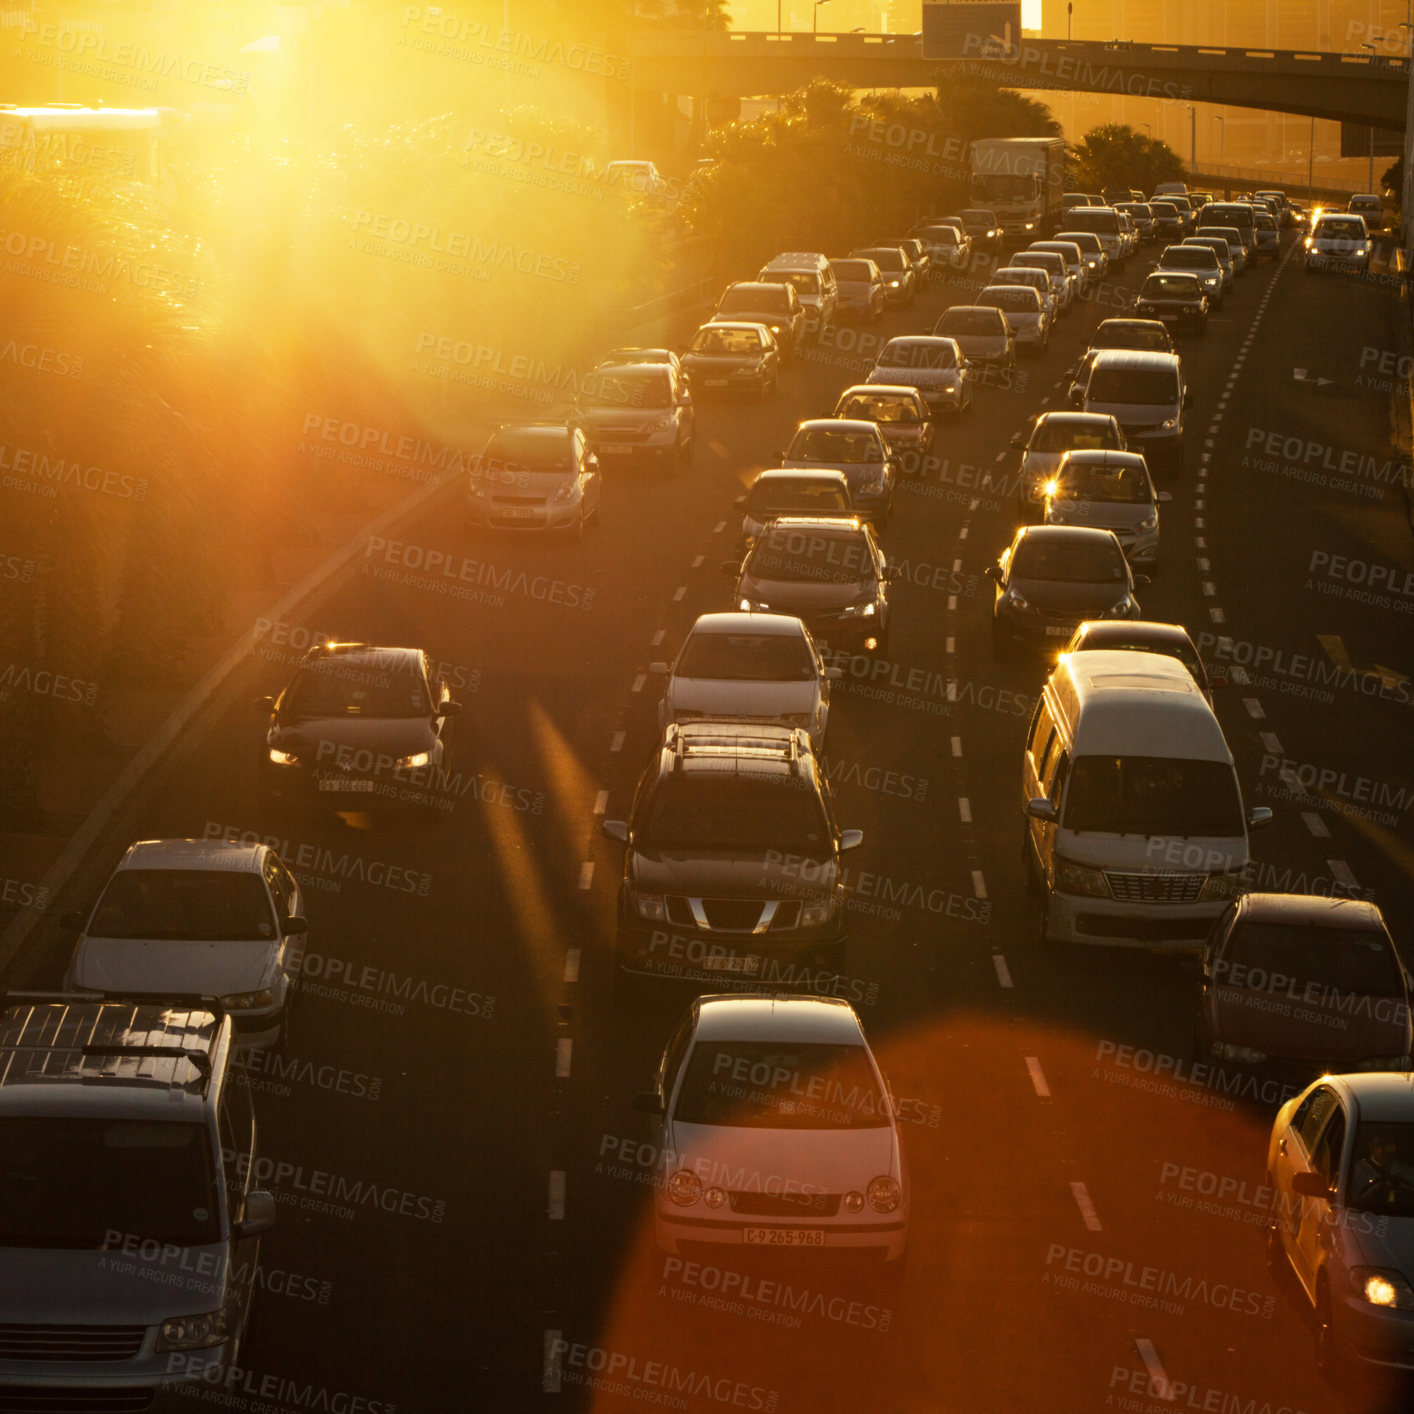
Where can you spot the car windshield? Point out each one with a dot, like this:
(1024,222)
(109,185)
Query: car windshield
(1182,650)
(781,1085)
(509,452)
(981,220)
(626,390)
(824,444)
(193,905)
(940,235)
(1068,561)
(1070,436)
(812,556)
(744,812)
(888,259)
(969,321)
(1153,795)
(1019,275)
(1266,222)
(885,407)
(1017,300)
(805,283)
(1382,1169)
(1345,230)
(86,1183)
(737,342)
(1142,334)
(917,353)
(1085,240)
(803,497)
(1153,386)
(339,687)
(851,269)
(1125,484)
(1231,215)
(1169,287)
(1189,258)
(1340,959)
(750,298)
(747,657)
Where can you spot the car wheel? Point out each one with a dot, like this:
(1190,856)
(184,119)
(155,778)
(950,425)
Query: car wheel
(1330,1359)
(685,452)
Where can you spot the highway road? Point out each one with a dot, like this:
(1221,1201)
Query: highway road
(463,1061)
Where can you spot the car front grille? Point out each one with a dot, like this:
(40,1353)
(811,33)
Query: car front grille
(1156,888)
(735,915)
(41,1342)
(518,500)
(784,1205)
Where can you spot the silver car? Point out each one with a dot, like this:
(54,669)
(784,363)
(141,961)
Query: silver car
(1050,436)
(933,365)
(1025,314)
(1110,491)
(638,412)
(982,332)
(748,668)
(1039,280)
(856,448)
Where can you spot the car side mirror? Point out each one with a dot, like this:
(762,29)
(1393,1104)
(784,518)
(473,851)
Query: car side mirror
(1042,809)
(1260,816)
(833,674)
(1188,397)
(851,839)
(648,1102)
(993,572)
(1141,579)
(615,830)
(259,1214)
(1018,440)
(1164,497)
(1077,396)
(295,924)
(72,922)
(449,708)
(660,670)
(1309,1184)
(264,704)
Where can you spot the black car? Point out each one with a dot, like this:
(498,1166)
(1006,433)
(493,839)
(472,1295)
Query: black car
(358,728)
(731,865)
(1176,297)
(900,278)
(1051,578)
(829,573)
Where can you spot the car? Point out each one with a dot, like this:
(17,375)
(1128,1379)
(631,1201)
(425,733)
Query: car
(731,855)
(1187,212)
(1143,217)
(949,250)
(1175,297)
(1139,334)
(855,447)
(934,365)
(1145,392)
(1051,578)
(1038,280)
(728,358)
(1072,199)
(781,1131)
(918,252)
(1092,252)
(748,668)
(1198,260)
(534,477)
(1075,264)
(1107,225)
(618,357)
(1236,247)
(1300,216)
(185,918)
(814,283)
(1305,979)
(773,304)
(1268,236)
(778,492)
(828,572)
(358,727)
(1337,242)
(1146,636)
(1111,491)
(1169,223)
(636,178)
(1024,311)
(1046,441)
(132,1214)
(900,278)
(1283,206)
(982,333)
(900,412)
(1219,246)
(1063,288)
(1340,1169)
(638,412)
(1369,206)
(982,227)
(860,289)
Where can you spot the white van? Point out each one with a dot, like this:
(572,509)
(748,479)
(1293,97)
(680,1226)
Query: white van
(1104,222)
(1134,819)
(814,283)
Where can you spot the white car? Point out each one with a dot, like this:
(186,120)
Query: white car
(778,1130)
(934,365)
(1338,242)
(1039,280)
(1025,314)
(748,668)
(195,918)
(1109,491)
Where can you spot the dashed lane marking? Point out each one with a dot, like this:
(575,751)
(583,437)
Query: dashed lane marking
(964,809)
(556,1207)
(1038,1077)
(979,884)
(571,965)
(1315,824)
(601,802)
(1003,973)
(586,874)
(1254,708)
(564,1053)
(1087,1208)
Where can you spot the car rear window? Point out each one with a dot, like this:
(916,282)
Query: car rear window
(771,298)
(1151,386)
(803,497)
(919,353)
(189,905)
(728,342)
(881,407)
(1069,436)
(1068,561)
(746,657)
(969,321)
(851,269)
(1342,959)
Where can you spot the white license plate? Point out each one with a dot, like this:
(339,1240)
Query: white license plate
(364,786)
(731,964)
(617,449)
(1056,631)
(714,382)
(517,512)
(782,1237)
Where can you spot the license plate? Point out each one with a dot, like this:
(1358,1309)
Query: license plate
(731,964)
(517,512)
(782,1237)
(1055,631)
(336,784)
(617,449)
(714,382)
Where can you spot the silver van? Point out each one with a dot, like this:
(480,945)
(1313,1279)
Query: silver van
(1135,826)
(1146,394)
(814,283)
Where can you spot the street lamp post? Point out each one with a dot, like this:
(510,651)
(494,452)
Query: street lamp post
(815,16)
(1222,142)
(1192,138)
(1370,176)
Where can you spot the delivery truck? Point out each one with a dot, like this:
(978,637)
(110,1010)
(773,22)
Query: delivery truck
(1021,179)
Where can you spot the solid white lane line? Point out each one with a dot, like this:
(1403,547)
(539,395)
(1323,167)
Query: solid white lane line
(1038,1077)
(586,874)
(1087,1208)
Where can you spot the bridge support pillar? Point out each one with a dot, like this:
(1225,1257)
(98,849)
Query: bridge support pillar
(1406,196)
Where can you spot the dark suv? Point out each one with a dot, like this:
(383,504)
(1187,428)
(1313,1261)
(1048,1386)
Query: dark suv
(732,865)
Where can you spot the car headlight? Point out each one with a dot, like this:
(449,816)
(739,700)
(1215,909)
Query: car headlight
(1364,250)
(813,915)
(753,606)
(853,1201)
(684,1188)
(1225,1050)
(479,489)
(715,1197)
(864,609)
(776,328)
(1149,523)
(1221,886)
(1168,424)
(1072,878)
(411,763)
(1054,517)
(1015,600)
(249,1001)
(1307,242)
(565,491)
(193,1332)
(1381,1286)
(283,758)
(651,906)
(662,424)
(884,1194)
(1383,1063)
(1121,609)
(893,284)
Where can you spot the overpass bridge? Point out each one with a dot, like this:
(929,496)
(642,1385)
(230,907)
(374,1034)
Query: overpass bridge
(1352,88)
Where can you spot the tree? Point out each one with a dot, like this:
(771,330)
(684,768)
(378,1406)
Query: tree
(1115,155)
